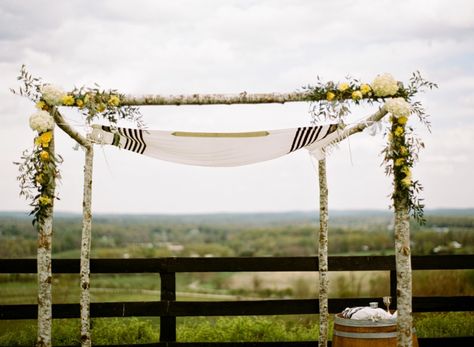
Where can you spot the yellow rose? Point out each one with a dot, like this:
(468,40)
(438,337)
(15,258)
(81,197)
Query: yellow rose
(330,96)
(399,161)
(101,107)
(406,171)
(39,179)
(365,89)
(41,105)
(44,200)
(44,156)
(357,95)
(406,182)
(114,100)
(402,120)
(68,100)
(399,131)
(46,137)
(79,103)
(403,151)
(343,86)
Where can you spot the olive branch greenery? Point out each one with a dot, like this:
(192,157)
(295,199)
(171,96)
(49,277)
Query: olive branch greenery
(39,167)
(331,101)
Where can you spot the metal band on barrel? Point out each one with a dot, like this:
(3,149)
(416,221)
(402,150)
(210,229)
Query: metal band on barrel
(366,335)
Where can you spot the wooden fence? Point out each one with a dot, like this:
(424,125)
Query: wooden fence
(167,308)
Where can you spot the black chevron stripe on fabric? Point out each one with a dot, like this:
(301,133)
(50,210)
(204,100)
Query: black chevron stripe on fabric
(306,136)
(295,139)
(134,140)
(142,141)
(127,140)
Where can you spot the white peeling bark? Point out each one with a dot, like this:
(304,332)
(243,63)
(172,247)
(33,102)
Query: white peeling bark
(323,256)
(45,238)
(404,276)
(214,99)
(86,248)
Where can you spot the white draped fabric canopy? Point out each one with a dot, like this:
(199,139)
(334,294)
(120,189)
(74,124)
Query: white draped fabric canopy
(218,149)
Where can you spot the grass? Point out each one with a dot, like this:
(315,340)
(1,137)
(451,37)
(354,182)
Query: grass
(231,329)
(66,332)
(446,324)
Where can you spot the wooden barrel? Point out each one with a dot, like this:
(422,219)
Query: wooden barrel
(365,333)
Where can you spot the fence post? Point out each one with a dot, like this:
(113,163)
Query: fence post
(168,293)
(393,287)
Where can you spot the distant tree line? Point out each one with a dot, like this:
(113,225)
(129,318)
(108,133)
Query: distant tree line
(148,237)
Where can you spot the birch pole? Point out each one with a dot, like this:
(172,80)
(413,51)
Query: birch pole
(323,255)
(86,226)
(45,238)
(402,248)
(323,228)
(214,99)
(404,279)
(86,247)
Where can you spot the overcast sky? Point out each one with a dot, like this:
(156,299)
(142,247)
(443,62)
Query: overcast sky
(169,47)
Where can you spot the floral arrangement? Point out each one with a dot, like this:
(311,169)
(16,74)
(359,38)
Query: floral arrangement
(330,101)
(38,170)
(39,167)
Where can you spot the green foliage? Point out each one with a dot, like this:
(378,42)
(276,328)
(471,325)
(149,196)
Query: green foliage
(22,335)
(230,329)
(11,248)
(123,331)
(446,324)
(104,331)
(448,283)
(37,180)
(406,147)
(148,237)
(31,85)
(95,103)
(241,329)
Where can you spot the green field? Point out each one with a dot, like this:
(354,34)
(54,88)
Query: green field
(275,328)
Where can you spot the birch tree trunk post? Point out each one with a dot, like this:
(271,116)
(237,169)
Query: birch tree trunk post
(404,279)
(86,225)
(45,237)
(323,255)
(86,247)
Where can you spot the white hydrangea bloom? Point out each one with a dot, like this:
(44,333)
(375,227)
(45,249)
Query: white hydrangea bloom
(384,85)
(398,107)
(41,121)
(52,94)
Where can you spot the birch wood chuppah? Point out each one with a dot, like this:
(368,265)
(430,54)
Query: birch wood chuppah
(332,98)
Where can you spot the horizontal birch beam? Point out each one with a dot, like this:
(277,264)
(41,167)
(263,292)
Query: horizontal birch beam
(214,99)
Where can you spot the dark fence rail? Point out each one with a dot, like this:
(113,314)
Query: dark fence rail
(239,264)
(167,308)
